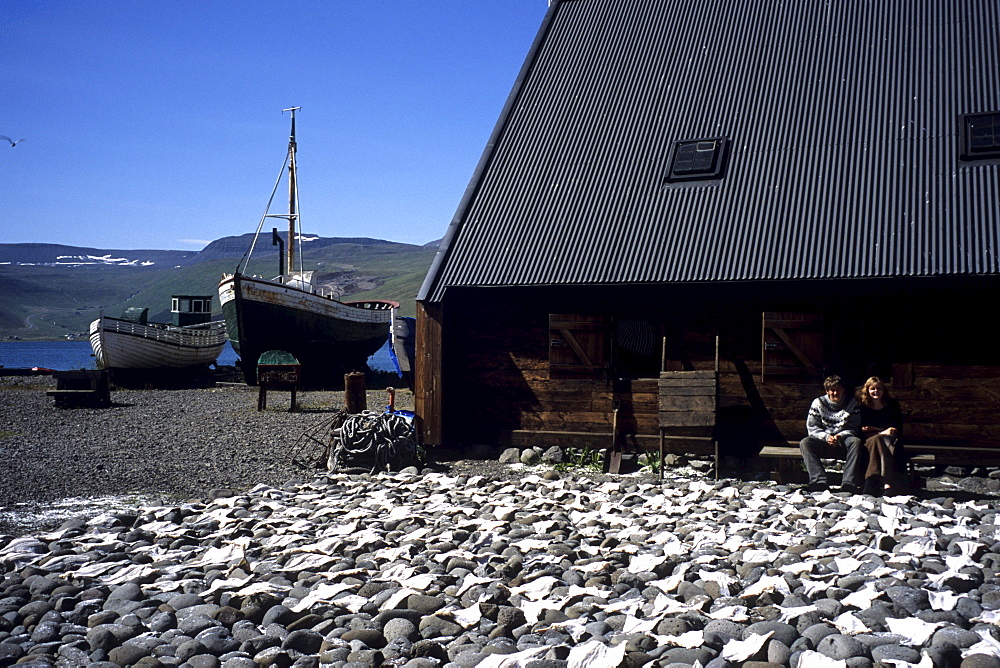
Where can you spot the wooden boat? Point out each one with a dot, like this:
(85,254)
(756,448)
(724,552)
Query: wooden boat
(192,341)
(288,312)
(403,348)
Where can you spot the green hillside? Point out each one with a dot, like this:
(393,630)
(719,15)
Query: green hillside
(50,302)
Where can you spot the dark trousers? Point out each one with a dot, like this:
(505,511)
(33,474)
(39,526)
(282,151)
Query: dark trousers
(885,461)
(809,447)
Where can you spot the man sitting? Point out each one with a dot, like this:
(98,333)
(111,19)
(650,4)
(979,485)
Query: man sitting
(834,419)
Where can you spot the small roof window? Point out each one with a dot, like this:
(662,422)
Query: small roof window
(699,159)
(981,136)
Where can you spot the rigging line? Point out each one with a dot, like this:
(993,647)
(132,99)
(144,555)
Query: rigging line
(253,244)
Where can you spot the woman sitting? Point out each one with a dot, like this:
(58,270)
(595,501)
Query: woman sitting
(881,421)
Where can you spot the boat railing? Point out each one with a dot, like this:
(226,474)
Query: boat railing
(161,332)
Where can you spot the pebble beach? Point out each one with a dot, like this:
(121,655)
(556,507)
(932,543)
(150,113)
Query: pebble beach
(155,444)
(236,557)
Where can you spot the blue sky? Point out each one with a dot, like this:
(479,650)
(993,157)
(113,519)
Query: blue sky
(158,124)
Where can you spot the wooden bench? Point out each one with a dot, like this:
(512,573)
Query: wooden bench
(925,454)
(91,388)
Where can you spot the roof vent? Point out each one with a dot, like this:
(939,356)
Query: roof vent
(699,160)
(981,136)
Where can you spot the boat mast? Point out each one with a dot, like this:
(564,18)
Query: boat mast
(292,189)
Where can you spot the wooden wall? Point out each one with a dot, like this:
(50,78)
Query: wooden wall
(428,395)
(494,384)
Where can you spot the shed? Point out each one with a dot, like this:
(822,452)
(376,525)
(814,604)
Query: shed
(784,190)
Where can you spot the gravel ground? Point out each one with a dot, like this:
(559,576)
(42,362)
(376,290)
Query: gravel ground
(157,444)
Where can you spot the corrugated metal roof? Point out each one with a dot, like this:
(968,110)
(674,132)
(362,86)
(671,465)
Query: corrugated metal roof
(844,119)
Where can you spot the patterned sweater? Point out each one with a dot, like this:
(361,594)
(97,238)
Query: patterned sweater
(829,419)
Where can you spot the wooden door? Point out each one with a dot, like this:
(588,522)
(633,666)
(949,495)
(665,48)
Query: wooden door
(577,346)
(792,346)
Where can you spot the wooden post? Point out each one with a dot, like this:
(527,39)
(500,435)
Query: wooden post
(428,381)
(355,399)
(715,427)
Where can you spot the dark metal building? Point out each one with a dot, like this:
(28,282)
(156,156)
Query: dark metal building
(672,170)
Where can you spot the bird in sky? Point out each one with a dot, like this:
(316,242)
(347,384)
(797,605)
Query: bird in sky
(12,142)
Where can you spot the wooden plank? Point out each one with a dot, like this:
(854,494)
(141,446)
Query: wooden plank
(940,413)
(789,371)
(688,375)
(791,323)
(687,389)
(684,419)
(902,375)
(691,404)
(957,372)
(585,360)
(950,449)
(985,435)
(779,451)
(428,363)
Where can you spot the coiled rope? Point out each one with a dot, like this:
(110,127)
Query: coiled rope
(380,441)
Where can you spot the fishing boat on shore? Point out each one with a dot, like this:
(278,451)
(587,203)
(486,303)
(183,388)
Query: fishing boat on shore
(402,350)
(289,312)
(191,341)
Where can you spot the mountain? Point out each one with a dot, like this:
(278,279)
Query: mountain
(58,255)
(54,291)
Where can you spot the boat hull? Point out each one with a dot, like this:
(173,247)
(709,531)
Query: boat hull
(327,337)
(121,344)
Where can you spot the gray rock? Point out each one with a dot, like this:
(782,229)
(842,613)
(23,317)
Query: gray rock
(785,633)
(778,652)
(10,652)
(129,591)
(837,646)
(217,640)
(203,661)
(45,632)
(400,627)
(425,604)
(238,662)
(273,656)
(554,455)
(187,649)
(101,638)
(909,599)
(726,628)
(195,624)
(687,656)
(811,637)
(953,635)
(127,655)
(181,601)
(895,653)
(429,649)
(510,456)
(277,614)
(307,642)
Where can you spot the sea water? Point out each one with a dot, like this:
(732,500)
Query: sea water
(71,355)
